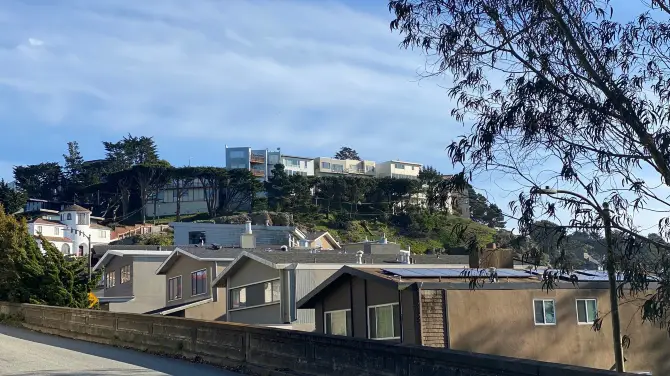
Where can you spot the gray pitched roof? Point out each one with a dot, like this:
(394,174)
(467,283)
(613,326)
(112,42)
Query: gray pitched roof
(314,235)
(208,253)
(75,208)
(335,257)
(101,249)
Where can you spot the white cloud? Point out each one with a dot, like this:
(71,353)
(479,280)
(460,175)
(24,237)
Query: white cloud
(288,73)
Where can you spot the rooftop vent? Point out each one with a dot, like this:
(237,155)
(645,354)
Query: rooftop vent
(403,256)
(216,246)
(359,257)
(283,248)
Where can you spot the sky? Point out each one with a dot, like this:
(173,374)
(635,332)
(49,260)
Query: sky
(306,76)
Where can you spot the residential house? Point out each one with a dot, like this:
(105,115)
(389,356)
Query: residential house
(230,235)
(510,314)
(398,169)
(325,166)
(259,162)
(187,274)
(71,230)
(165,202)
(130,283)
(294,165)
(263,287)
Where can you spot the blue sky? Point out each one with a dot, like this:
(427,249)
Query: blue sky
(306,76)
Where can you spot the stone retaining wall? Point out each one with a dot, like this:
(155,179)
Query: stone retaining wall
(266,350)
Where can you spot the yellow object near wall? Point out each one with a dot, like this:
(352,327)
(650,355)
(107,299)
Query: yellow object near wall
(92,300)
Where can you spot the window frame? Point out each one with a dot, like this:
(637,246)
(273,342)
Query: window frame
(56,231)
(587,322)
(544,314)
(109,285)
(194,288)
(38,229)
(348,329)
(272,283)
(180,289)
(126,269)
(367,313)
(232,298)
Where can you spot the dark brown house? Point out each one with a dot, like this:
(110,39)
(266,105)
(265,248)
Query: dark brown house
(510,315)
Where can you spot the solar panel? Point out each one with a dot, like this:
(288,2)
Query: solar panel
(511,273)
(401,272)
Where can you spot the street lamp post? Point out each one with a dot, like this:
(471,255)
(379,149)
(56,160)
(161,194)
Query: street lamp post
(88,237)
(604,213)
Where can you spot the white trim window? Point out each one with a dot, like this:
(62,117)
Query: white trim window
(238,298)
(56,231)
(125,274)
(174,288)
(337,322)
(110,279)
(199,282)
(544,311)
(587,311)
(384,321)
(272,291)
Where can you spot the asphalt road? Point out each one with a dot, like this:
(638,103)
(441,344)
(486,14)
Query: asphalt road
(26,353)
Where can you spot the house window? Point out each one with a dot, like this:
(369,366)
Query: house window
(82,219)
(587,311)
(238,298)
(325,165)
(236,154)
(198,282)
(39,229)
(125,274)
(338,322)
(545,312)
(272,291)
(400,166)
(57,231)
(110,280)
(103,234)
(338,168)
(196,237)
(383,321)
(174,288)
(69,216)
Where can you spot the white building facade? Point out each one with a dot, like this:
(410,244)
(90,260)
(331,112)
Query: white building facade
(71,234)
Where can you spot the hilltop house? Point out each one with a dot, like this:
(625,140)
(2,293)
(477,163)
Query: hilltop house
(59,230)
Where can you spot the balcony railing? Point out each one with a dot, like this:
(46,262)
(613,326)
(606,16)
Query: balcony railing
(258,173)
(257,158)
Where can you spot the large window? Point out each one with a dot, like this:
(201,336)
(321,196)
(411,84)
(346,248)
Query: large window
(110,280)
(174,288)
(125,274)
(384,321)
(338,322)
(238,298)
(272,291)
(199,282)
(545,312)
(337,168)
(196,237)
(587,311)
(103,234)
(82,219)
(39,229)
(237,154)
(57,231)
(325,165)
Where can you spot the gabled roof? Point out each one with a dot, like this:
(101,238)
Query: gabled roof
(46,222)
(97,226)
(106,258)
(54,238)
(312,236)
(309,300)
(200,254)
(75,208)
(280,259)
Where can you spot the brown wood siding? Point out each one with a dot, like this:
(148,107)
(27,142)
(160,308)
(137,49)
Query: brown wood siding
(432,318)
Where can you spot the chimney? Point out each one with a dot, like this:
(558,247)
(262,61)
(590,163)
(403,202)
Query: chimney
(383,239)
(403,257)
(247,239)
(359,257)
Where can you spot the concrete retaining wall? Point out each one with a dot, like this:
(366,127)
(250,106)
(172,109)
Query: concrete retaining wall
(265,350)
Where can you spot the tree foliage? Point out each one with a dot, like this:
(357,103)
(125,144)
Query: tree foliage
(29,276)
(347,153)
(567,91)
(42,180)
(12,200)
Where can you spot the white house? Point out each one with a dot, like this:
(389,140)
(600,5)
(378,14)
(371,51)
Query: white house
(71,234)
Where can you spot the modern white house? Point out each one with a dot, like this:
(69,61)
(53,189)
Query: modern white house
(71,233)
(398,169)
(294,165)
(326,166)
